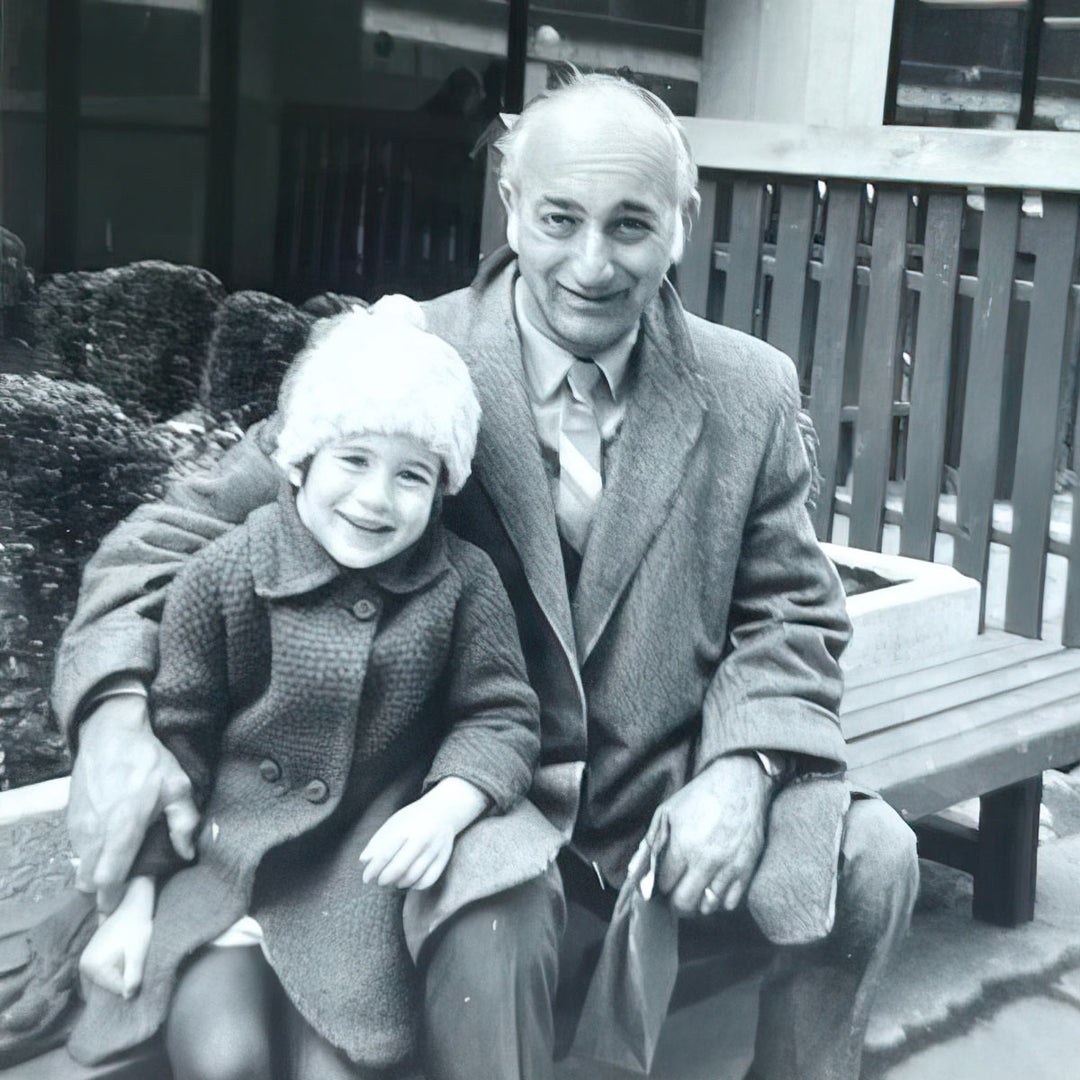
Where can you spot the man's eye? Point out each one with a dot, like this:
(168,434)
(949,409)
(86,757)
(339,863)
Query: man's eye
(632,227)
(558,223)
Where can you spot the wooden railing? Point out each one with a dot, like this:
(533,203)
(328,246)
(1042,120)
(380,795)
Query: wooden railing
(925,283)
(375,202)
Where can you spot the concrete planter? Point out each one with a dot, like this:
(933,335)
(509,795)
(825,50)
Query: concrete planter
(920,613)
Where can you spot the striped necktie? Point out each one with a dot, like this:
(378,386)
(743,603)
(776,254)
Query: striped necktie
(580,483)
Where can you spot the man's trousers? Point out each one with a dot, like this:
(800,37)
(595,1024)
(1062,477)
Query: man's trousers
(492,975)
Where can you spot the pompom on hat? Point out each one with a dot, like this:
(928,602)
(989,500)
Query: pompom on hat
(379,370)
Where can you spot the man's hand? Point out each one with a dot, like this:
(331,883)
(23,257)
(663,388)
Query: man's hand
(115,957)
(411,849)
(715,829)
(121,781)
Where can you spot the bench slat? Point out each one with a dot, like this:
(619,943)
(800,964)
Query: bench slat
(924,733)
(925,780)
(743,264)
(788,292)
(830,339)
(989,650)
(696,266)
(986,372)
(1033,486)
(930,375)
(873,424)
(972,691)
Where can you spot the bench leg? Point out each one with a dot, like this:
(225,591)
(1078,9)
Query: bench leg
(1007,853)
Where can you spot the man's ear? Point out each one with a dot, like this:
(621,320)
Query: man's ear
(510,203)
(680,234)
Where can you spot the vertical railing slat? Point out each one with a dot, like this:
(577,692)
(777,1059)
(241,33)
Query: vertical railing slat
(744,254)
(696,268)
(983,393)
(873,425)
(830,339)
(930,375)
(1033,484)
(790,270)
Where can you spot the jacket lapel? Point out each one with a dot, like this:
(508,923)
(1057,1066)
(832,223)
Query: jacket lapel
(508,464)
(644,467)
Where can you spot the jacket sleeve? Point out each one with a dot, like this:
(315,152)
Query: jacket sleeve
(189,695)
(779,685)
(493,715)
(114,631)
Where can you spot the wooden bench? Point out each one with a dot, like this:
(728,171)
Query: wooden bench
(986,725)
(919,277)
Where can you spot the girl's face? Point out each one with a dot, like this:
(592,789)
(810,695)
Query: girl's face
(368,497)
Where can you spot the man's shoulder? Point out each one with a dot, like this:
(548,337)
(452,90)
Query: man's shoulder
(459,315)
(734,361)
(226,559)
(448,315)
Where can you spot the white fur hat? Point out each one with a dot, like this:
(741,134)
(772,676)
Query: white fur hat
(379,370)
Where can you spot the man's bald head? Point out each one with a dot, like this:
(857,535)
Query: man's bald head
(608,108)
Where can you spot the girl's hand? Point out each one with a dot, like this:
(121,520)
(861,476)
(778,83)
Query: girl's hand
(411,850)
(115,956)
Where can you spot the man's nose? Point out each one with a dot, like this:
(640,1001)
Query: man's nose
(592,260)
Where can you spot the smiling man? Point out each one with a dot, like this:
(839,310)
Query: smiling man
(639,482)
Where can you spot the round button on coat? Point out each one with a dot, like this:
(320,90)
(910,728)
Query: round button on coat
(316,791)
(365,609)
(270,770)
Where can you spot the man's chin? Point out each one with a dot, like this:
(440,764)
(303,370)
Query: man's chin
(586,335)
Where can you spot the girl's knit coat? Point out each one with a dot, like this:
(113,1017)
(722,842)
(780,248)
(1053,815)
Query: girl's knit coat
(308,703)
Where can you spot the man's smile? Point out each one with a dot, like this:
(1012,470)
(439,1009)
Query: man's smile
(585,299)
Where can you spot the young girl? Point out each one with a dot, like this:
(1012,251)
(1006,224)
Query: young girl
(342,681)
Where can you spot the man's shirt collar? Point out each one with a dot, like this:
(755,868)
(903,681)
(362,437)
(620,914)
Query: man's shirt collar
(546,363)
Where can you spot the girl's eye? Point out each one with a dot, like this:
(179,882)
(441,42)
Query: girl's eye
(414,477)
(357,461)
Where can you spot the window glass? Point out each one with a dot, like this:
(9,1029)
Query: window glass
(144,48)
(22,132)
(963,63)
(658,45)
(1057,96)
(960,65)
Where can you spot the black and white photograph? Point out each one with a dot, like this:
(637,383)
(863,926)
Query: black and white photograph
(539,539)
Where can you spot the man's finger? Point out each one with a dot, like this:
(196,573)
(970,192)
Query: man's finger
(183,820)
(84,872)
(109,897)
(672,867)
(106,976)
(687,893)
(734,894)
(639,861)
(124,828)
(132,979)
